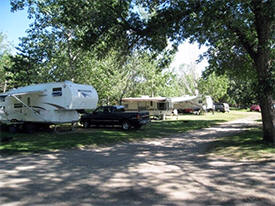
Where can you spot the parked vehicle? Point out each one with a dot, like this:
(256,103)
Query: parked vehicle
(165,106)
(222,107)
(256,108)
(45,104)
(115,115)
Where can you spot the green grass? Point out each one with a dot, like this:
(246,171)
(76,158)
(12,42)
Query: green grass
(246,145)
(49,141)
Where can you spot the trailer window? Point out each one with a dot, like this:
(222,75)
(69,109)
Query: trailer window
(57,91)
(29,101)
(18,105)
(161,106)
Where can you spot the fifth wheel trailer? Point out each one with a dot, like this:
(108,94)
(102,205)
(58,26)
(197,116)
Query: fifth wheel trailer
(47,103)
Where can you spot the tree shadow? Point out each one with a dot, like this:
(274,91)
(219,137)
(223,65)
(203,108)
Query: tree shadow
(168,171)
(47,141)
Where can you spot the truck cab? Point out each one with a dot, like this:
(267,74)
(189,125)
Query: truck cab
(115,115)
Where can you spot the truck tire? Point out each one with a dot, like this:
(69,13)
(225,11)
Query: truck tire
(29,128)
(12,129)
(86,124)
(125,125)
(137,126)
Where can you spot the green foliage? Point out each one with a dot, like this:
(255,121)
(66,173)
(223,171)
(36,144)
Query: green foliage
(137,75)
(239,33)
(241,93)
(215,86)
(246,145)
(71,47)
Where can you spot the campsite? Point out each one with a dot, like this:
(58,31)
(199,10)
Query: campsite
(83,137)
(156,102)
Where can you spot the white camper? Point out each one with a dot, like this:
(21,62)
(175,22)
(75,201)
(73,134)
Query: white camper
(165,106)
(194,103)
(48,103)
(157,106)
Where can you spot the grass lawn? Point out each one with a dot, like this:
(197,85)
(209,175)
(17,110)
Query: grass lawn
(48,141)
(246,145)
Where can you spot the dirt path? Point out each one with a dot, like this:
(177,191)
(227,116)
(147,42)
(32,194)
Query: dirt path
(170,171)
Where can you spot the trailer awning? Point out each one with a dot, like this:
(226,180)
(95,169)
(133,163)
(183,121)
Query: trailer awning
(182,99)
(160,99)
(144,99)
(3,95)
(21,93)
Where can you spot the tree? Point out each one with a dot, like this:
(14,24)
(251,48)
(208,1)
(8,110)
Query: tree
(187,78)
(243,28)
(241,90)
(4,61)
(240,29)
(215,86)
(241,93)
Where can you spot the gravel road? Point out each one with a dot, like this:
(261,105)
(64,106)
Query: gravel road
(170,171)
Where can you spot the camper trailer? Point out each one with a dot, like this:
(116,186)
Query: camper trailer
(194,104)
(157,106)
(164,106)
(48,103)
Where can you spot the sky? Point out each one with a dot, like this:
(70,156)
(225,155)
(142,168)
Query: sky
(14,25)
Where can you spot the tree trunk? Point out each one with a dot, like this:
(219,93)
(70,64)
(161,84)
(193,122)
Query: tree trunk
(265,89)
(268,119)
(262,59)
(5,85)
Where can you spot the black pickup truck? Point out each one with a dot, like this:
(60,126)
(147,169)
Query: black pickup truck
(115,115)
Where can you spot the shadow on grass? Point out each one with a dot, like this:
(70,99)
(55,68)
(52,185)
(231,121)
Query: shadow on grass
(248,144)
(47,141)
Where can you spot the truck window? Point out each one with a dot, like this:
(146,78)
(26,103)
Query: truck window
(57,91)
(99,109)
(106,110)
(120,110)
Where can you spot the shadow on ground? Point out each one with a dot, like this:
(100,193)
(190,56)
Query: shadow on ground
(47,141)
(169,171)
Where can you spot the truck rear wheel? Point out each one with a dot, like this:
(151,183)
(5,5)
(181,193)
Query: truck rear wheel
(86,124)
(12,129)
(125,125)
(137,126)
(29,128)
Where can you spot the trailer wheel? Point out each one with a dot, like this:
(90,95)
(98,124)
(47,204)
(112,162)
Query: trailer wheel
(86,124)
(125,125)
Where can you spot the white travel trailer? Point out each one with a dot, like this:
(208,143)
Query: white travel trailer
(48,103)
(157,106)
(164,106)
(195,103)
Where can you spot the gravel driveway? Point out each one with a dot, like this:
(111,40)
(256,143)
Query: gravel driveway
(170,171)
